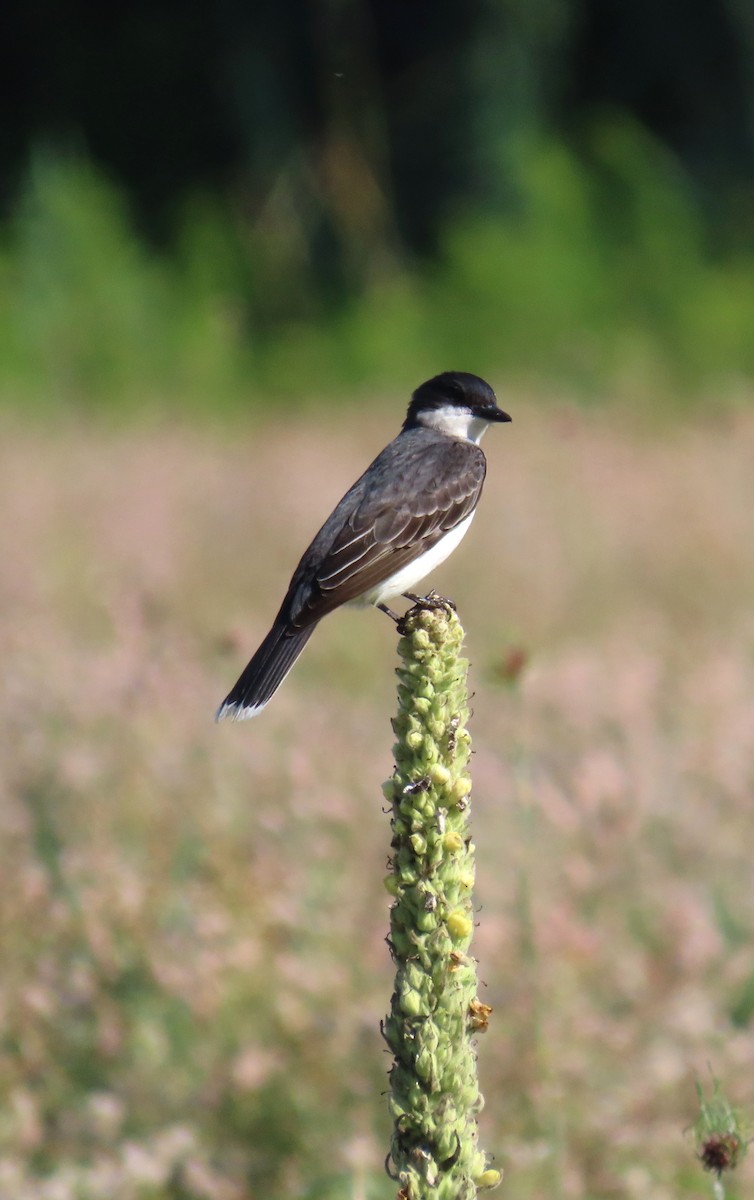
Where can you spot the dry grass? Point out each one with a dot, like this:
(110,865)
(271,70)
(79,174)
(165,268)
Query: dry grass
(192,920)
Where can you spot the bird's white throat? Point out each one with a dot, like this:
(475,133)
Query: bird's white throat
(455,422)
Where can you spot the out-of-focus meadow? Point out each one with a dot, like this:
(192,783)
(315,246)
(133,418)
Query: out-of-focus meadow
(193,915)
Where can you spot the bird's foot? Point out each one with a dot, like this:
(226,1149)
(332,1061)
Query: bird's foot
(432,602)
(389,613)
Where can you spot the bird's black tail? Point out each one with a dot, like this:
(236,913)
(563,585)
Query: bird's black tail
(264,674)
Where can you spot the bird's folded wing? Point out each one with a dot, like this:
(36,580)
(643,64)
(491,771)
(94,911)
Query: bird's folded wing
(388,528)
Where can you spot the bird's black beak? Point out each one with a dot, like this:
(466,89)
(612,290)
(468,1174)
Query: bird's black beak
(493,413)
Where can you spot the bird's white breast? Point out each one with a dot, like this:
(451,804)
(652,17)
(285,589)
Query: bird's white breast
(406,579)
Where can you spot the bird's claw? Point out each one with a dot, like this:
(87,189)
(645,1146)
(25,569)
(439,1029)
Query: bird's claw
(432,602)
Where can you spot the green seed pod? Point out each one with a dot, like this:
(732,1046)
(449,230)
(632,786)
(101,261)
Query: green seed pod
(425,922)
(488,1179)
(438,774)
(436,727)
(388,789)
(411,1003)
(452,842)
(460,790)
(460,925)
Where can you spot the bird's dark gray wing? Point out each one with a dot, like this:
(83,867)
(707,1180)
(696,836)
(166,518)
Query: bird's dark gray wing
(416,491)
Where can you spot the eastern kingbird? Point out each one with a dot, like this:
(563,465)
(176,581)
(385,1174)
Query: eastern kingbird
(400,520)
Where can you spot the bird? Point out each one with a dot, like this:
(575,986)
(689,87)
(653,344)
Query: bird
(399,521)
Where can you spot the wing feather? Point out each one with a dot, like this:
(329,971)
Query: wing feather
(381,525)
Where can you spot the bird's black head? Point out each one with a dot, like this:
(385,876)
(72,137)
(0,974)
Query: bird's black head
(453,401)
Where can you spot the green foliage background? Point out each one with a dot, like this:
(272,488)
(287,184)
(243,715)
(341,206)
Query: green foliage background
(599,280)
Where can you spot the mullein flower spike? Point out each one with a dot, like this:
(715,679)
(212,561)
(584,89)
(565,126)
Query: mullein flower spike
(435,1013)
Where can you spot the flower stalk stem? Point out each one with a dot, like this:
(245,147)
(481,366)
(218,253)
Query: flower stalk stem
(435,1014)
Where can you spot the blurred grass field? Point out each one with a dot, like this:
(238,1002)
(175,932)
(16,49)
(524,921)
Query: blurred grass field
(193,916)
